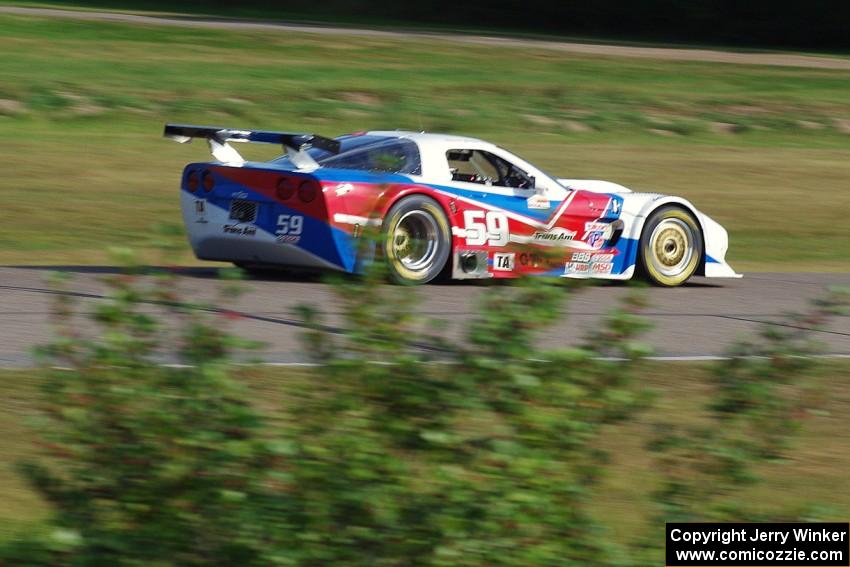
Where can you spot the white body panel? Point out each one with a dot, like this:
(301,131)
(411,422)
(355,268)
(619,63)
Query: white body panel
(594,185)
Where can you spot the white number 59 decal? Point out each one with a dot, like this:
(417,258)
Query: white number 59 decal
(289,224)
(486,228)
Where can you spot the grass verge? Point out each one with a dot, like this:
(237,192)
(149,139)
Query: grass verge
(813,479)
(761,149)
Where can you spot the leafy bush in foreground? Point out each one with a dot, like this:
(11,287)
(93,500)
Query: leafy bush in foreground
(409,445)
(483,452)
(758,401)
(148,464)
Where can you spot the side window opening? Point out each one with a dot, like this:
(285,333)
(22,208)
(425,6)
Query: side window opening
(368,153)
(477,166)
(393,156)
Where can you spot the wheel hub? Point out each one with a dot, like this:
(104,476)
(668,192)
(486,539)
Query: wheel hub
(415,239)
(672,246)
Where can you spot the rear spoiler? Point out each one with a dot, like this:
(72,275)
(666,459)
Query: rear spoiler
(294,144)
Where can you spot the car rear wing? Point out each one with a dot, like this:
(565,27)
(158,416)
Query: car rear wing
(294,144)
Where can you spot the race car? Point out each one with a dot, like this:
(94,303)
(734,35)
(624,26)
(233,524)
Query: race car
(442,204)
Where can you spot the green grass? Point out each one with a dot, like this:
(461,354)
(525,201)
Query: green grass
(814,477)
(82,106)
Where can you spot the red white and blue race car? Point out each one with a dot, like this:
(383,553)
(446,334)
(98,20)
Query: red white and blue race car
(444,204)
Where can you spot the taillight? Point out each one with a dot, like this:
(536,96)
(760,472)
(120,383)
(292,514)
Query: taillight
(209,182)
(192,181)
(307,191)
(285,188)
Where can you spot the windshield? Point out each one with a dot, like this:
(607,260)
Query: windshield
(368,153)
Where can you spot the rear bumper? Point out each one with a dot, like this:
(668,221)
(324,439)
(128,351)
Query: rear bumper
(214,236)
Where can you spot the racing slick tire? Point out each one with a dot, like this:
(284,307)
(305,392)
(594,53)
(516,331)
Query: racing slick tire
(671,246)
(417,240)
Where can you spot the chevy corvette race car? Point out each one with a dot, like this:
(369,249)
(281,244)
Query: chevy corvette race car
(444,205)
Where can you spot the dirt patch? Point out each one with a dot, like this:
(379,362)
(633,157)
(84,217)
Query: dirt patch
(9,106)
(81,105)
(842,125)
(362,98)
(354,113)
(538,120)
(576,126)
(665,133)
(724,128)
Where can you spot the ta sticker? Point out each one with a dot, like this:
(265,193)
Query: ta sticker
(503,262)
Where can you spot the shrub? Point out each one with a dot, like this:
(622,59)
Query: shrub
(413,451)
(755,408)
(407,446)
(148,464)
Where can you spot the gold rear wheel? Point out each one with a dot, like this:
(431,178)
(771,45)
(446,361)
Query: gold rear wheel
(417,240)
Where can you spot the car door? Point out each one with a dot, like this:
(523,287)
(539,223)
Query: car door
(495,180)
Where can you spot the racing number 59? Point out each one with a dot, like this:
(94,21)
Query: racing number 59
(490,227)
(289,224)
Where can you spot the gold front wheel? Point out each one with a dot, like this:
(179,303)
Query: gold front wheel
(671,246)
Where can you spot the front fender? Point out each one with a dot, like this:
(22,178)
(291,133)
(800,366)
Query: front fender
(638,207)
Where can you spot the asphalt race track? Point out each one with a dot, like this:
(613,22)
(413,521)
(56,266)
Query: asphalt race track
(700,319)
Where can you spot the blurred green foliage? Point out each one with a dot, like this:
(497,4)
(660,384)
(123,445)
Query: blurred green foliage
(407,445)
(147,464)
(760,397)
(481,451)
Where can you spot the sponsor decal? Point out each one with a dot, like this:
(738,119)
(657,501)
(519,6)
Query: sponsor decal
(616,206)
(601,267)
(532,260)
(503,262)
(576,268)
(581,256)
(596,233)
(587,267)
(554,237)
(201,211)
(247,230)
(596,226)
(289,228)
(538,202)
(596,239)
(602,258)
(239,195)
